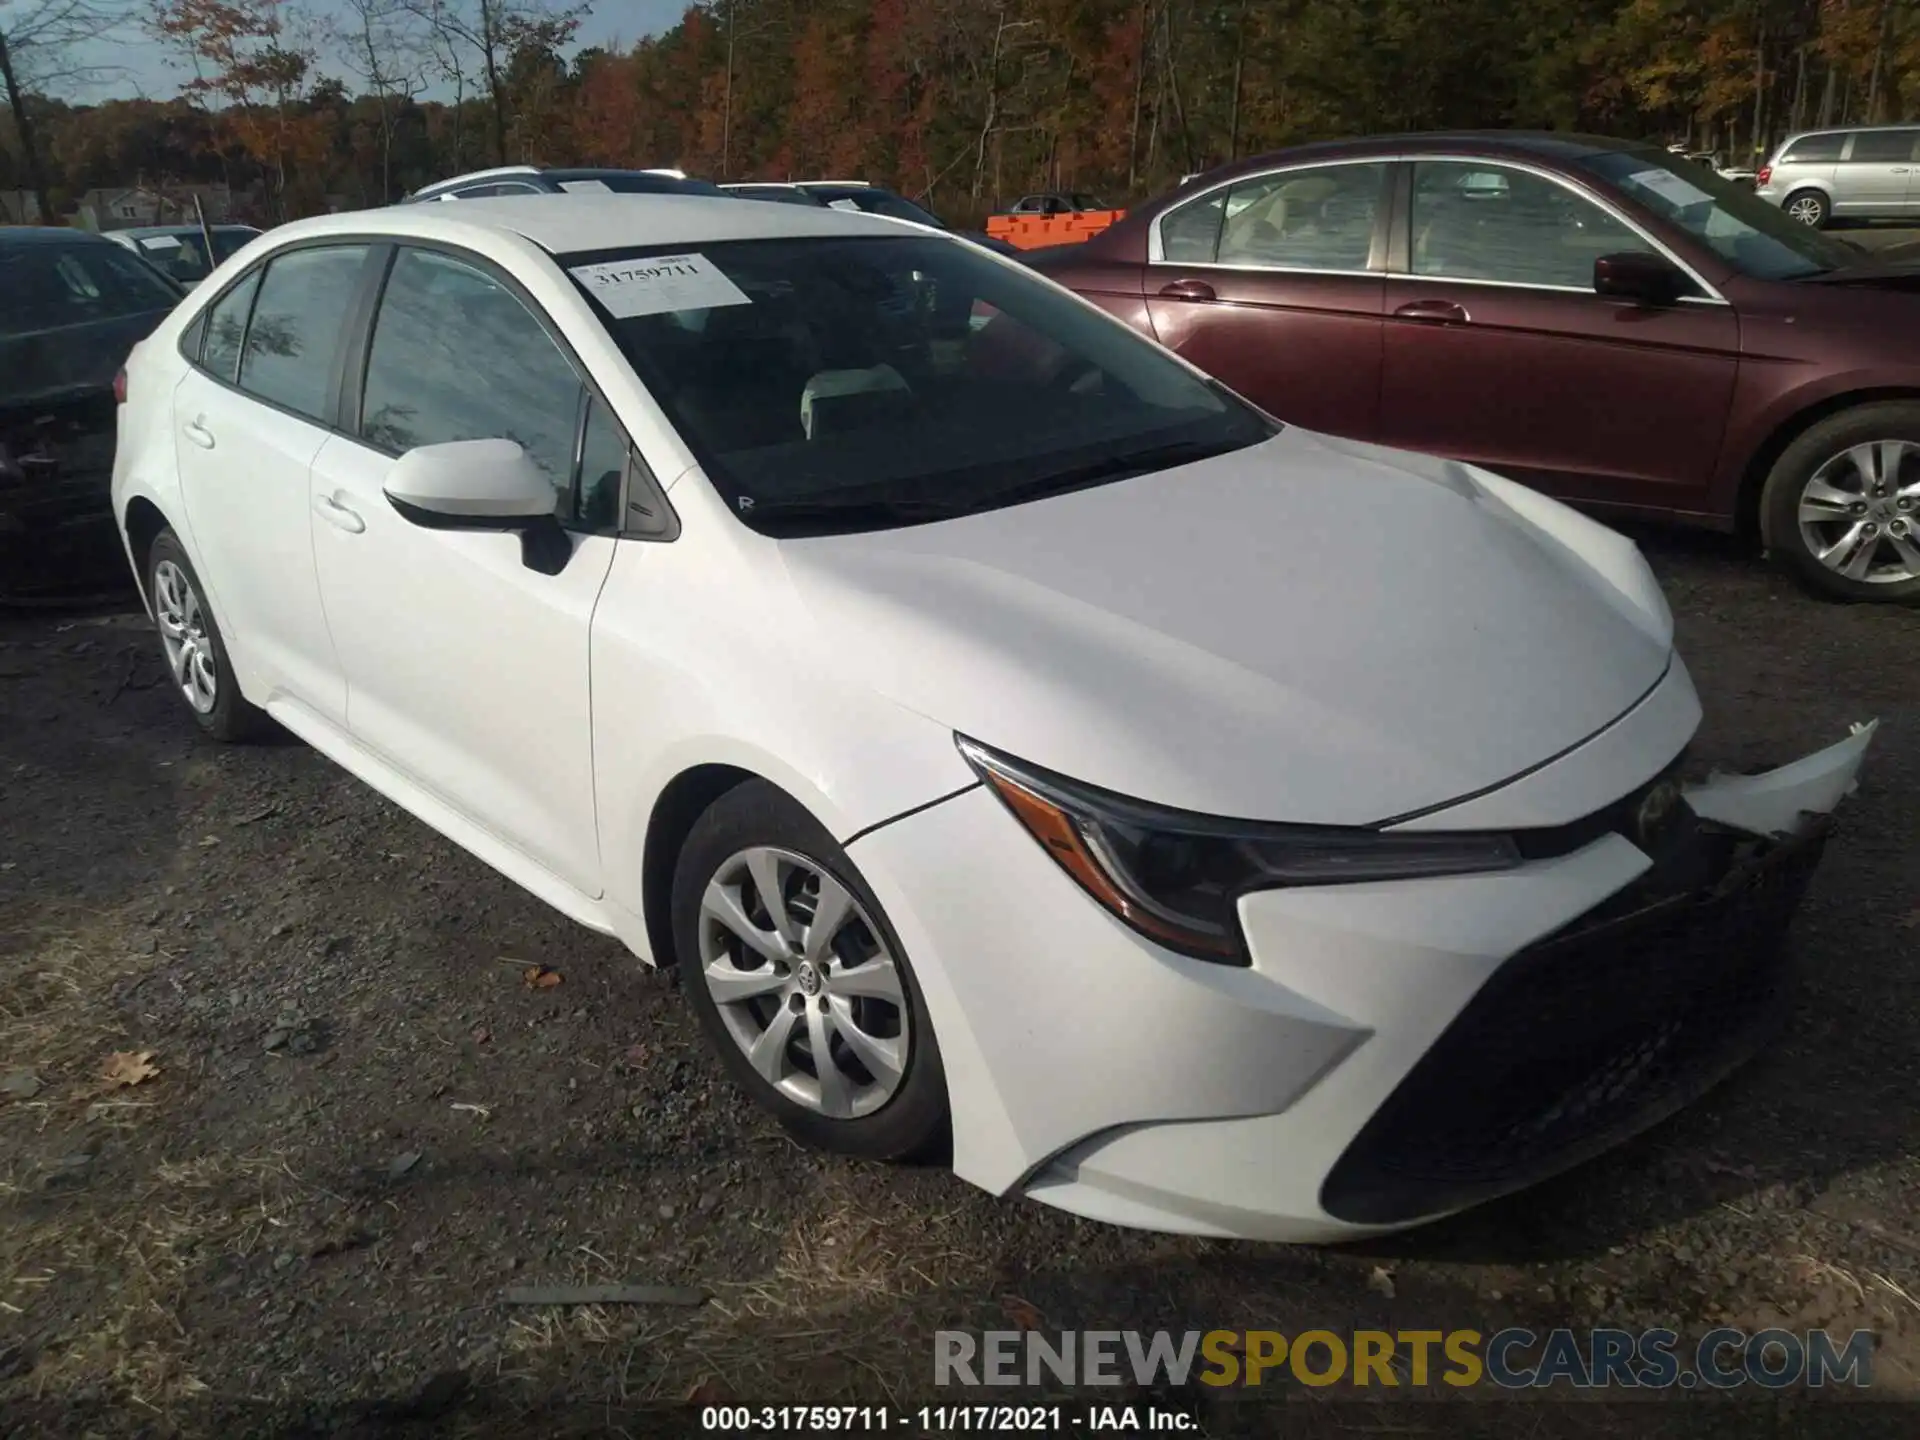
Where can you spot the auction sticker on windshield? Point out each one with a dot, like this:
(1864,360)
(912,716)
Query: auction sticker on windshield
(1675,189)
(658,285)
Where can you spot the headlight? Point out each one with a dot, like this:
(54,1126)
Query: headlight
(1177,877)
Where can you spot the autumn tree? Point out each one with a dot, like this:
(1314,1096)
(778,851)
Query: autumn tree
(37,44)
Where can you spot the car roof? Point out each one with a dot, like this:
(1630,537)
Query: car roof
(1543,144)
(576,223)
(140,232)
(48,235)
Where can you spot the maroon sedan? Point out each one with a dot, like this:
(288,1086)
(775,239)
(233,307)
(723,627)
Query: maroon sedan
(1610,323)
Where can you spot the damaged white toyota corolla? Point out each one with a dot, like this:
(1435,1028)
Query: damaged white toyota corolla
(1009,734)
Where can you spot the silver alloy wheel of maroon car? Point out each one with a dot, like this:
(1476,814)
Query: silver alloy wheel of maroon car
(1859,513)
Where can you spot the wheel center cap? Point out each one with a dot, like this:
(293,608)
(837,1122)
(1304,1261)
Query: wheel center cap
(808,978)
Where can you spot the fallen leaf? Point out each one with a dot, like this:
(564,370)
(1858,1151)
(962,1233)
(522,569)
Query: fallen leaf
(1022,1313)
(129,1067)
(637,1054)
(1910,920)
(538,977)
(707,1391)
(481,1035)
(20,1085)
(1381,1280)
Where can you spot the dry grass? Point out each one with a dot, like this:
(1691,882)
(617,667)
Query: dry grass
(94,1273)
(105,1274)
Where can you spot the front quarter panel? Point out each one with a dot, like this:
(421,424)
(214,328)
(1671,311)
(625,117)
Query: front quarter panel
(701,656)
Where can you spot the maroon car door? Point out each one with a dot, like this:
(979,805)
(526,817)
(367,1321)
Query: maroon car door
(1273,284)
(1499,352)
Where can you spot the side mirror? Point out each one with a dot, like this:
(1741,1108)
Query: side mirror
(1639,276)
(481,485)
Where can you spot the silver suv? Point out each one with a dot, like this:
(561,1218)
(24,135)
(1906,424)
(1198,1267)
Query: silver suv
(1866,173)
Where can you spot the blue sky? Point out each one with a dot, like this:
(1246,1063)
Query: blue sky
(140,67)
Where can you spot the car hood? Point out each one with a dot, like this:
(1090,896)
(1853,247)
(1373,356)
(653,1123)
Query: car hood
(1309,630)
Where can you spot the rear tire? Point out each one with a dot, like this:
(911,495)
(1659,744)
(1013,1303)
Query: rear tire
(1809,207)
(771,993)
(1841,506)
(191,647)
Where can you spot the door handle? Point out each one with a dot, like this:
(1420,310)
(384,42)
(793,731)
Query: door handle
(196,431)
(340,516)
(1899,170)
(1187,290)
(1434,312)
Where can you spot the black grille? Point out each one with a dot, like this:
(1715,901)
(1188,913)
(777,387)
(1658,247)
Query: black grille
(1584,1038)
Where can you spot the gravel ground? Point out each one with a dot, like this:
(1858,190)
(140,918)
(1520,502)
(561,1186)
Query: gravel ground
(365,1122)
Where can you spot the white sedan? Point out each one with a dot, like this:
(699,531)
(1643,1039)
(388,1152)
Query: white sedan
(1018,742)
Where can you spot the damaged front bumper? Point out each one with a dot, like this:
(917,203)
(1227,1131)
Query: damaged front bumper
(1778,801)
(1498,1028)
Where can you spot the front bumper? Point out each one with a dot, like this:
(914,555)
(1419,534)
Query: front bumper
(1396,1051)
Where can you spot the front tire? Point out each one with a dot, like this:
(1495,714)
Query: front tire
(800,982)
(1809,207)
(1841,507)
(190,643)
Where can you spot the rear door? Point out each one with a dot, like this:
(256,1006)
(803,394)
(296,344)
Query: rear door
(1499,352)
(249,418)
(1273,285)
(1875,174)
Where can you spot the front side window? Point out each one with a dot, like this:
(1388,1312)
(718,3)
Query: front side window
(227,328)
(457,356)
(1473,221)
(1755,237)
(1882,147)
(294,335)
(1815,149)
(858,382)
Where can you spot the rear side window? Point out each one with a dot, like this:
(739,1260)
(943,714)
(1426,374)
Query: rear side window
(294,335)
(456,356)
(227,327)
(1813,149)
(1191,234)
(48,285)
(1882,147)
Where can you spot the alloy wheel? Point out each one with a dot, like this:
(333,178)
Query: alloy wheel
(1807,209)
(1860,513)
(804,982)
(183,635)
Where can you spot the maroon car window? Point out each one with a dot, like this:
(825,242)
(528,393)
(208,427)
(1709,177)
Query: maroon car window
(1815,148)
(1320,219)
(1475,221)
(1191,234)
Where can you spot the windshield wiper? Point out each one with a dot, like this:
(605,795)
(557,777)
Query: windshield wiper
(851,511)
(1123,466)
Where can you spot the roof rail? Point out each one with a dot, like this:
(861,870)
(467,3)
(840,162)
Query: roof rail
(867,183)
(479,175)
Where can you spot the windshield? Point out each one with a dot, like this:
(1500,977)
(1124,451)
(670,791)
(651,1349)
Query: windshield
(830,384)
(1754,237)
(47,285)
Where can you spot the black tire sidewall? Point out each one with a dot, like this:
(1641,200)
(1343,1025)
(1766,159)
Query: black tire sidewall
(1798,463)
(1826,207)
(913,1122)
(232,717)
